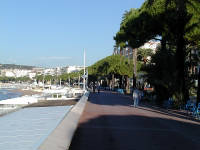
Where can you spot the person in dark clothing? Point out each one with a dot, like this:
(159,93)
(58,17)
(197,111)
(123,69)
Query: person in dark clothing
(94,88)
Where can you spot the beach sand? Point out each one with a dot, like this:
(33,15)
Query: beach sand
(46,103)
(26,92)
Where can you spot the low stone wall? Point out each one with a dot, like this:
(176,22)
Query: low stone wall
(61,137)
(8,108)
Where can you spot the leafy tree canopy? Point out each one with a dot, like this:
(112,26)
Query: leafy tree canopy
(158,18)
(114,64)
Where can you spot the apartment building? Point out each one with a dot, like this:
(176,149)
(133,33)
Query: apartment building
(128,51)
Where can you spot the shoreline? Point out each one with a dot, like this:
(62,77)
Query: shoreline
(25,92)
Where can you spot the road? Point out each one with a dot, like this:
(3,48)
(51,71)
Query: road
(109,122)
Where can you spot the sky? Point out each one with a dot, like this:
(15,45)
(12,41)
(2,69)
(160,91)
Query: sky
(52,33)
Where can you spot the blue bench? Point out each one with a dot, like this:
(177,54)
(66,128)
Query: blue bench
(196,113)
(190,106)
(121,91)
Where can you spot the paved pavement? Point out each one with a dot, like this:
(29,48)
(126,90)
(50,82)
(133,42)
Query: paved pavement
(110,123)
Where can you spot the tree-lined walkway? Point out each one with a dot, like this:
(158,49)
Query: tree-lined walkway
(110,123)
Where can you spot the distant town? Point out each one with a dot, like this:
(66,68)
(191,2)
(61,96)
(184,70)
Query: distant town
(17,71)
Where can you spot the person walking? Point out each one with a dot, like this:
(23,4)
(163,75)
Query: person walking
(94,87)
(98,87)
(136,97)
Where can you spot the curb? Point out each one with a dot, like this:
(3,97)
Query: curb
(60,138)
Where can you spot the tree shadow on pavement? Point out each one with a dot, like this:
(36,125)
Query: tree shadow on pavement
(116,99)
(110,98)
(133,132)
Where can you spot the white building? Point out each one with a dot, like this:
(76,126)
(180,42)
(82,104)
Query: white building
(32,75)
(50,71)
(38,71)
(15,73)
(8,73)
(151,45)
(18,73)
(21,73)
(58,70)
(128,51)
(73,69)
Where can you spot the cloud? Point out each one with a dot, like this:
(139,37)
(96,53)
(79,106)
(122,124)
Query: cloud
(54,58)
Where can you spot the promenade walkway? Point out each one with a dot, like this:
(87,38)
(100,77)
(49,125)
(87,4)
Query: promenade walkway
(110,123)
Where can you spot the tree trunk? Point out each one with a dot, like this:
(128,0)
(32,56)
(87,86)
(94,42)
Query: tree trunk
(181,50)
(121,51)
(163,43)
(127,85)
(120,82)
(134,67)
(113,81)
(180,66)
(128,55)
(122,86)
(107,82)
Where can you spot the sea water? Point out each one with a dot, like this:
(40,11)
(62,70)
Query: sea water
(8,93)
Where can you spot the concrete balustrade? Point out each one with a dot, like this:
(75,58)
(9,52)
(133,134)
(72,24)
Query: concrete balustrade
(61,137)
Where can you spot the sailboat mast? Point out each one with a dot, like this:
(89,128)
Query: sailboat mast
(84,72)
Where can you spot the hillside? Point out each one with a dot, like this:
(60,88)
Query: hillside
(13,66)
